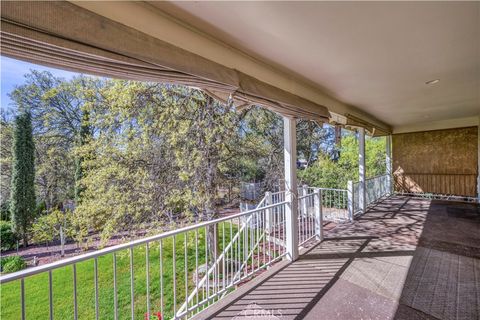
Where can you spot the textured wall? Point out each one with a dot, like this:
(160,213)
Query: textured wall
(441,161)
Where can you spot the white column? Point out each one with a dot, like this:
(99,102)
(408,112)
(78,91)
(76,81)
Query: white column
(388,159)
(361,169)
(291,188)
(350,200)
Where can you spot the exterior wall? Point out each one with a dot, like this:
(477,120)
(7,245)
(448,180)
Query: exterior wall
(441,161)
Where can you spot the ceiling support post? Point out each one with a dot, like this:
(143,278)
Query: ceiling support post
(361,170)
(291,187)
(388,160)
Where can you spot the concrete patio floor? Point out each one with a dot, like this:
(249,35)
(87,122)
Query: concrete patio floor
(406,258)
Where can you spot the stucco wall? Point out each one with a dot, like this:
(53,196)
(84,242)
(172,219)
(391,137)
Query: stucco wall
(441,161)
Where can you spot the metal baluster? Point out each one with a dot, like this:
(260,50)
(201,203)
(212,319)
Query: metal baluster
(307,218)
(255,246)
(174,259)
(239,250)
(264,217)
(22,296)
(161,275)
(312,214)
(147,270)
(186,273)
(245,248)
(132,292)
(224,254)
(231,252)
(284,223)
(95,267)
(275,233)
(196,262)
(50,293)
(115,294)
(214,258)
(251,245)
(207,288)
(75,305)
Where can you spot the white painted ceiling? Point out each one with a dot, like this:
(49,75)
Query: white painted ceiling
(376,55)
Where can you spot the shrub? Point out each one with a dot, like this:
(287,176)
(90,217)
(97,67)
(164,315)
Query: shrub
(7,236)
(5,211)
(46,227)
(12,264)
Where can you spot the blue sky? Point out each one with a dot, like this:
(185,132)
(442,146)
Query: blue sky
(12,74)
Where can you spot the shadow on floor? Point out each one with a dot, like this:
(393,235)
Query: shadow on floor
(404,259)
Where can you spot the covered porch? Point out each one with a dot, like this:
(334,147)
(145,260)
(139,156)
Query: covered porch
(395,252)
(405,258)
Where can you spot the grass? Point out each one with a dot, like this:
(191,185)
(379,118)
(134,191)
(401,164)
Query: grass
(37,293)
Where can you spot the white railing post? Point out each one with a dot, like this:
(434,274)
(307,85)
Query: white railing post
(388,159)
(62,241)
(268,214)
(318,214)
(291,188)
(350,200)
(305,200)
(361,170)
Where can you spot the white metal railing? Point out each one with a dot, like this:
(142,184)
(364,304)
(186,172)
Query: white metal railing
(181,272)
(270,245)
(437,196)
(375,189)
(228,250)
(335,205)
(306,215)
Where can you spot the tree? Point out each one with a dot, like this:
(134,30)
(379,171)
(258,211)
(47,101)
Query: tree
(59,124)
(55,225)
(6,138)
(328,173)
(84,136)
(22,202)
(262,152)
(158,156)
(314,139)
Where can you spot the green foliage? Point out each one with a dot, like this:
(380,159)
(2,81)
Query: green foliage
(46,228)
(136,155)
(84,137)
(22,201)
(6,137)
(5,211)
(36,287)
(40,208)
(12,264)
(328,173)
(7,237)
(56,108)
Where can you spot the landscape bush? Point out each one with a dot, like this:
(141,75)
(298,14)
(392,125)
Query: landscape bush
(7,236)
(12,264)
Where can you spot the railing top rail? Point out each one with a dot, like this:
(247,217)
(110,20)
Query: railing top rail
(87,256)
(332,189)
(329,189)
(378,176)
(371,178)
(306,196)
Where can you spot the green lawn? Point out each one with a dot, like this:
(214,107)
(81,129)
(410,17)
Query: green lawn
(36,287)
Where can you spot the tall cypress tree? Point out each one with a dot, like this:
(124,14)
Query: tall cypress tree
(84,136)
(22,198)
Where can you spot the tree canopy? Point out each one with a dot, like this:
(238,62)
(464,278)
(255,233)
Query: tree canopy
(120,155)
